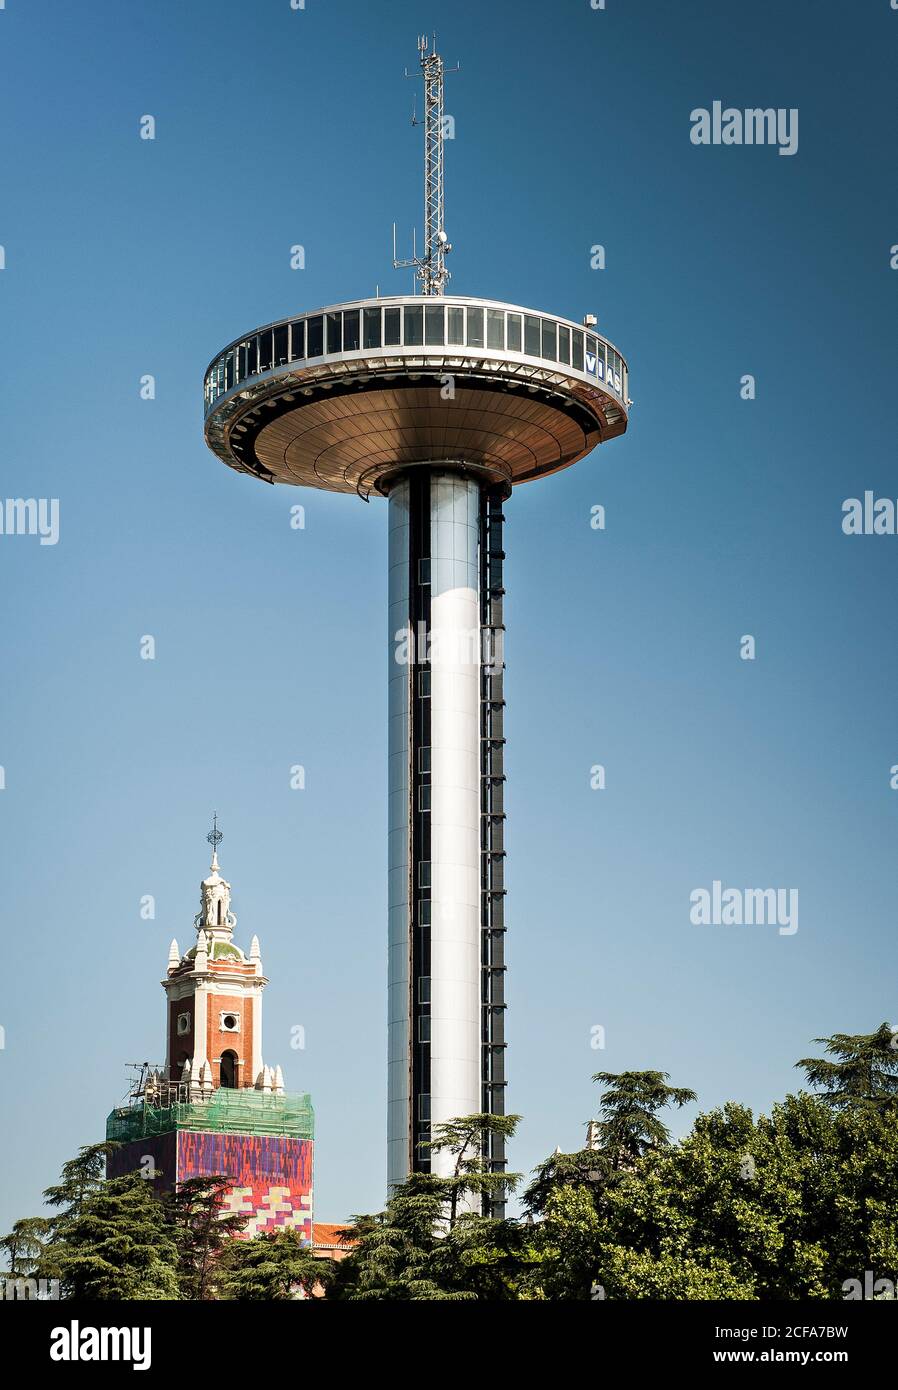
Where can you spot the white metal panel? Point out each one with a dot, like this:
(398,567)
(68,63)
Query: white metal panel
(455,802)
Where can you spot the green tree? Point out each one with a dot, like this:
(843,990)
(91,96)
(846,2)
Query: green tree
(202,1232)
(80,1177)
(392,1258)
(785,1206)
(483,1257)
(424,1245)
(377,1252)
(467,1140)
(115,1243)
(797,1204)
(629,1108)
(583,1169)
(866,1072)
(700,1219)
(24,1245)
(565,1242)
(272,1266)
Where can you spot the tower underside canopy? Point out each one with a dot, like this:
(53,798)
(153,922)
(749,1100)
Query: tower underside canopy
(345,398)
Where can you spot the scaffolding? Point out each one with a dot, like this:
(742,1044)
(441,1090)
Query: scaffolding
(226,1111)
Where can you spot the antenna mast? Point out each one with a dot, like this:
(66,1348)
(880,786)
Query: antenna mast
(431,267)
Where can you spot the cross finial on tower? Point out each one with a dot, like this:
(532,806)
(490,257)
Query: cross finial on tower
(215,836)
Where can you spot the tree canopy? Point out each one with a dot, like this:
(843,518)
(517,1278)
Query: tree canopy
(796,1204)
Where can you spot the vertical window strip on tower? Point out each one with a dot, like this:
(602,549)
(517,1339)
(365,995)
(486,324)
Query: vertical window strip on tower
(419,787)
(492,743)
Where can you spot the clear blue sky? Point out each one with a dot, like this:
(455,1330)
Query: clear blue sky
(126,257)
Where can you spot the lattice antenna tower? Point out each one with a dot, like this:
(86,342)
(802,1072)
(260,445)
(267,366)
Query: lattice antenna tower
(430,268)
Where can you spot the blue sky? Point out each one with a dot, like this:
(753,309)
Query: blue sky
(126,257)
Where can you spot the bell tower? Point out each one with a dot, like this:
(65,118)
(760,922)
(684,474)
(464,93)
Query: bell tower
(214,1000)
(216,1108)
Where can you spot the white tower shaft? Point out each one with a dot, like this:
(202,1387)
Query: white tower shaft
(442,965)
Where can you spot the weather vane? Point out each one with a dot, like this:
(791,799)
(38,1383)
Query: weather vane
(215,836)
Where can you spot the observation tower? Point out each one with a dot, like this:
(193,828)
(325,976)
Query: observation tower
(441,404)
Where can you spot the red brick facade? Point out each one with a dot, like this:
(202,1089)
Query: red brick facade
(180,1045)
(219,1040)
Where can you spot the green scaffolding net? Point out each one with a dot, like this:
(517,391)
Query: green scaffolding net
(227,1111)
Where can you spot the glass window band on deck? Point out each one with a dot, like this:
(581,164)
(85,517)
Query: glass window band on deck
(416,325)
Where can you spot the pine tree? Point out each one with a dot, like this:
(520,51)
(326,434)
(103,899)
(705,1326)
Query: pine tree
(422,1247)
(465,1139)
(629,1126)
(272,1266)
(582,1169)
(80,1177)
(484,1257)
(391,1257)
(24,1246)
(202,1232)
(115,1243)
(866,1075)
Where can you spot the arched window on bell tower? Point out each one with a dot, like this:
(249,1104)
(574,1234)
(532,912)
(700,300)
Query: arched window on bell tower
(228,1070)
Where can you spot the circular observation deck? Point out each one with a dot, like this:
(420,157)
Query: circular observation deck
(350,396)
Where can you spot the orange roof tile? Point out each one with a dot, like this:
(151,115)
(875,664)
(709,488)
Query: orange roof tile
(328,1233)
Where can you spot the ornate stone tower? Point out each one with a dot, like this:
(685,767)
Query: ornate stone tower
(215,1108)
(214,1000)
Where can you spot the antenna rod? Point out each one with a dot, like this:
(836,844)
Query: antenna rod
(435,272)
(431,267)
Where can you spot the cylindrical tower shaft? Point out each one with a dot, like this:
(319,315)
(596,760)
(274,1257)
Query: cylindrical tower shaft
(442,959)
